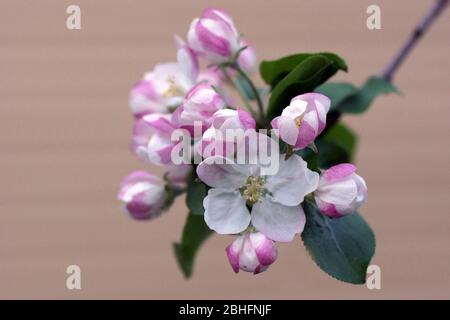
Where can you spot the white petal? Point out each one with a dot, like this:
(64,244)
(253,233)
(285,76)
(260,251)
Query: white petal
(188,64)
(288,129)
(295,109)
(321,111)
(361,186)
(225,211)
(340,193)
(192,38)
(276,221)
(220,172)
(292,182)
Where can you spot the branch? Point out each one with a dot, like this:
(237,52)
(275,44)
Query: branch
(416,35)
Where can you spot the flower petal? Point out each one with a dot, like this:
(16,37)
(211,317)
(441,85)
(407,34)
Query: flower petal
(296,108)
(159,150)
(288,130)
(226,211)
(339,193)
(188,62)
(233,251)
(221,172)
(276,221)
(338,172)
(292,182)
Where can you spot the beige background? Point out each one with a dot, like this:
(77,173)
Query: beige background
(65,129)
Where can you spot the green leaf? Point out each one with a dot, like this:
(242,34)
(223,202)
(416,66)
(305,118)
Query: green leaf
(195,232)
(275,70)
(337,92)
(341,247)
(330,154)
(305,77)
(344,137)
(196,192)
(338,145)
(363,98)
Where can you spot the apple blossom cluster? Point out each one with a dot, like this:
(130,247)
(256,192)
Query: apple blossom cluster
(196,94)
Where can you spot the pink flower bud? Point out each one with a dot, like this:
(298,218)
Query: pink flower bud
(144,99)
(221,138)
(303,120)
(212,75)
(247,58)
(252,252)
(177,174)
(214,36)
(142,132)
(341,191)
(143,195)
(201,102)
(160,144)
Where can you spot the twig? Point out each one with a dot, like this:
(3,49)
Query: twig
(388,73)
(416,35)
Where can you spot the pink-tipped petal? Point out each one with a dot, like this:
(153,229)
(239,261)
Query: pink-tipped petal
(265,248)
(211,41)
(233,253)
(338,172)
(246,119)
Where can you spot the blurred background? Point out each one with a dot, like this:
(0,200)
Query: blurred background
(65,129)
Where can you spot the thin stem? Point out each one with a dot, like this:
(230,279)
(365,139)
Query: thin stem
(236,67)
(415,36)
(238,89)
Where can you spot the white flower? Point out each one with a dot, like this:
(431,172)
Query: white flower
(165,86)
(274,200)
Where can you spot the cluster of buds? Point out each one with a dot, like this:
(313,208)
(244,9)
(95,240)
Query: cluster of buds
(242,200)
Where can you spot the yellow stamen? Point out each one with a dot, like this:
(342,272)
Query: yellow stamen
(298,121)
(254,189)
(174,89)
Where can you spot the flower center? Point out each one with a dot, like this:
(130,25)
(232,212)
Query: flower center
(253,190)
(298,121)
(174,89)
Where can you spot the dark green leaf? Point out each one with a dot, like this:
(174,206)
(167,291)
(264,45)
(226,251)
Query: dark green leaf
(196,192)
(344,137)
(341,247)
(275,70)
(336,146)
(361,100)
(336,91)
(195,232)
(305,77)
(330,154)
